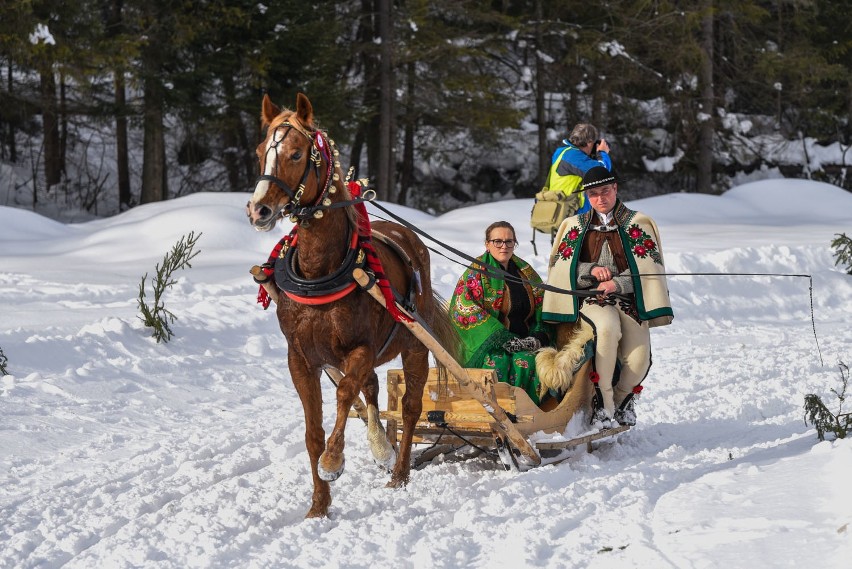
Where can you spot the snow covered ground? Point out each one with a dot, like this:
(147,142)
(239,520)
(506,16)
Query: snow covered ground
(116,451)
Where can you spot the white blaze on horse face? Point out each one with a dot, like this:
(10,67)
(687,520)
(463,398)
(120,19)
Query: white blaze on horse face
(268,169)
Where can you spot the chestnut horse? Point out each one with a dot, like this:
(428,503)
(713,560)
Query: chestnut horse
(301,178)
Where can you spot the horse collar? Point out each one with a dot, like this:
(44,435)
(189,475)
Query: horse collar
(321,290)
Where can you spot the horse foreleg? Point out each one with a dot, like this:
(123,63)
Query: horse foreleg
(307,385)
(415,365)
(383,452)
(357,367)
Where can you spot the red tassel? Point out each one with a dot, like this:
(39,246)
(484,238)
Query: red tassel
(263,298)
(637,390)
(594,377)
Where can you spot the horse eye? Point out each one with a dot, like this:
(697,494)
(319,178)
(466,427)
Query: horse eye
(296,155)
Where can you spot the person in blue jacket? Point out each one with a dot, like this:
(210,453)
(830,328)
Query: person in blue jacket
(579,153)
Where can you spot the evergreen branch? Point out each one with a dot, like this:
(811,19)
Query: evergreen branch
(842,246)
(178,258)
(3,362)
(818,415)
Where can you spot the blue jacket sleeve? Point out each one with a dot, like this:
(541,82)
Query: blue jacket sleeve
(576,162)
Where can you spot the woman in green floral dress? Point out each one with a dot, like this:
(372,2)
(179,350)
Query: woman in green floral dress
(499,319)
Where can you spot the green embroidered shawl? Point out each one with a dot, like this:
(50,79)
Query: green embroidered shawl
(475,309)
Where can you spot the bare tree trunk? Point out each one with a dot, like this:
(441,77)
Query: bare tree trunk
(13,148)
(384,186)
(230,135)
(121,149)
(410,125)
(50,125)
(540,90)
(63,123)
(369,130)
(113,13)
(706,122)
(154,187)
(154,147)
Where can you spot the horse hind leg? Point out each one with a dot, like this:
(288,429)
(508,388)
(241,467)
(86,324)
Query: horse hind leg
(357,367)
(383,452)
(415,365)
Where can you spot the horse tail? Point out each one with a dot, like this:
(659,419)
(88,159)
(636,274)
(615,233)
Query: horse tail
(445,332)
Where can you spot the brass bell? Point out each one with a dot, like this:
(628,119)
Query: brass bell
(326,202)
(318,214)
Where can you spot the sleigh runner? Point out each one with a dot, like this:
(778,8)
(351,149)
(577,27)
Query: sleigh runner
(451,419)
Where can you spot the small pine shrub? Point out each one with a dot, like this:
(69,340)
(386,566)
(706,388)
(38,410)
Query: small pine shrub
(818,414)
(3,362)
(842,246)
(158,317)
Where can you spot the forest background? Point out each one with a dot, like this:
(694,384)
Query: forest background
(105,104)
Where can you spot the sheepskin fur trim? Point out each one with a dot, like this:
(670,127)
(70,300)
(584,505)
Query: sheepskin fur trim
(556,368)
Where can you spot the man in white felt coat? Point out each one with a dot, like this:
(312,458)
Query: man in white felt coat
(616,251)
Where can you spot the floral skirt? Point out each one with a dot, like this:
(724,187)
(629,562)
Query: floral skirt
(515,369)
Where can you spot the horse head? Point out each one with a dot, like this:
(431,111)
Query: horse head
(292,179)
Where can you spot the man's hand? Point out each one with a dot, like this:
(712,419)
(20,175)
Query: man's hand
(607,288)
(528,344)
(602,274)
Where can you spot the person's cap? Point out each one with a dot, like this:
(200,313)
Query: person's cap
(598,176)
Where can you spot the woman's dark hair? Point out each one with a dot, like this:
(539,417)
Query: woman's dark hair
(497,224)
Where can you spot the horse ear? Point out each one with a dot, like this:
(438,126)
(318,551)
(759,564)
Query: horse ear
(304,109)
(269,111)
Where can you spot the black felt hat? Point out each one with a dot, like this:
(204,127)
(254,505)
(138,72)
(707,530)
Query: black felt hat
(598,176)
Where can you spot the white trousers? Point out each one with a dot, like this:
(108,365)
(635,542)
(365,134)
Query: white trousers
(619,338)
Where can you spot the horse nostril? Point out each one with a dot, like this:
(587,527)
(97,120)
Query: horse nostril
(264,211)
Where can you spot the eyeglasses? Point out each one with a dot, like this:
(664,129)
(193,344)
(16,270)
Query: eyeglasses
(500,243)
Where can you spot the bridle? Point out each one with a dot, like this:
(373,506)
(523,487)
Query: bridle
(320,147)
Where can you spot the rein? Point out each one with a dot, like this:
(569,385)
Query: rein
(500,273)
(298,213)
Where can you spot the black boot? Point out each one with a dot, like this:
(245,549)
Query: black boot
(626,415)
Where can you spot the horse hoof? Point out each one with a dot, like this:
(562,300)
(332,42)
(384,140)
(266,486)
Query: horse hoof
(386,459)
(329,472)
(316,512)
(396,482)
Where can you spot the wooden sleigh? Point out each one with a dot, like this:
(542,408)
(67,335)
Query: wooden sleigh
(453,419)
(469,407)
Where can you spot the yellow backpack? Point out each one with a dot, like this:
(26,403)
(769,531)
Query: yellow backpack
(550,208)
